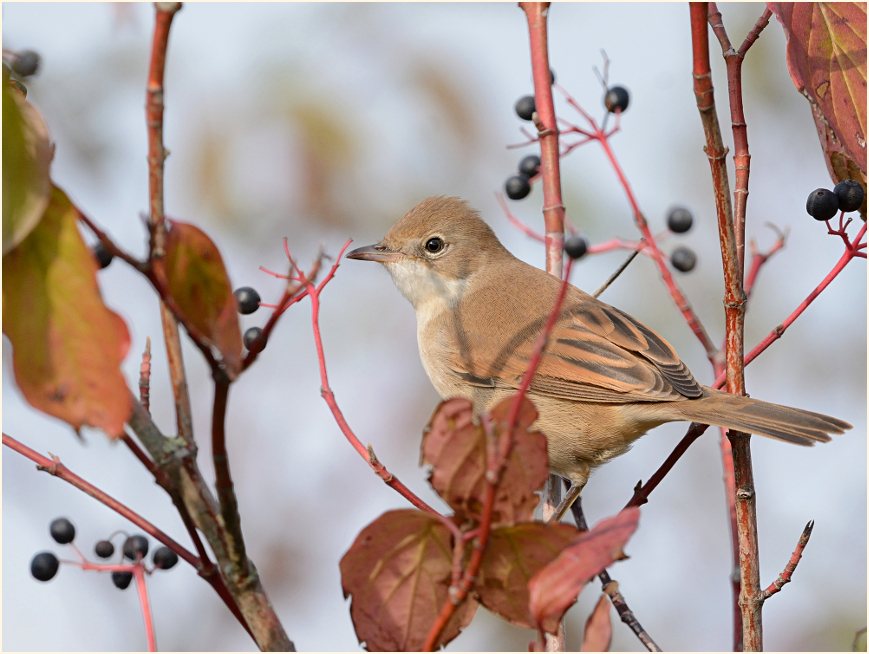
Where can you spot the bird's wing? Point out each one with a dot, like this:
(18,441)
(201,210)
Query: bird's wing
(595,353)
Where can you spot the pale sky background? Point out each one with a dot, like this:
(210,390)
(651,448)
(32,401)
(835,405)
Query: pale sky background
(322,122)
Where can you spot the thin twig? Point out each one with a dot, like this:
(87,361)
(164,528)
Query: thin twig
(785,576)
(615,275)
(223,479)
(145,377)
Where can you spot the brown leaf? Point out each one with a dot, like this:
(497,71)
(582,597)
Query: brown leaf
(513,556)
(457,450)
(27,155)
(826,55)
(555,588)
(398,571)
(598,634)
(67,347)
(197,280)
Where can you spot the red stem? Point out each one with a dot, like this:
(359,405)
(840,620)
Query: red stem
(785,576)
(142,589)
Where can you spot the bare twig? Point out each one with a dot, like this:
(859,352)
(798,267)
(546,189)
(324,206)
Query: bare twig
(785,576)
(145,377)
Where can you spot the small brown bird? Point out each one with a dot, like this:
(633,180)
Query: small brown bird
(604,379)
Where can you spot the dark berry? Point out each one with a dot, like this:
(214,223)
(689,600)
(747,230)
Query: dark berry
(517,187)
(44,566)
(26,63)
(616,99)
(136,547)
(104,549)
(850,195)
(62,531)
(102,255)
(679,220)
(248,299)
(683,259)
(822,204)
(530,165)
(122,579)
(253,340)
(575,247)
(551,76)
(525,107)
(164,558)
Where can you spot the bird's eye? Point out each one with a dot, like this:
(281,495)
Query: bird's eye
(434,245)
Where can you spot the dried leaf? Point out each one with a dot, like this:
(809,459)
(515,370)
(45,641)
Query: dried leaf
(555,588)
(457,450)
(598,634)
(398,572)
(826,55)
(513,556)
(26,159)
(67,347)
(199,284)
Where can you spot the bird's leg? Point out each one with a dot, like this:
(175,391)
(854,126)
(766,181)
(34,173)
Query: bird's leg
(569,498)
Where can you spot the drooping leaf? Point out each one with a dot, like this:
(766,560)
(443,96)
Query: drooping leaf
(598,634)
(555,588)
(458,450)
(26,159)
(200,286)
(67,347)
(398,572)
(826,55)
(513,556)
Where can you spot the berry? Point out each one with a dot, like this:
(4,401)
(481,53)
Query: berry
(530,165)
(62,531)
(525,107)
(822,204)
(683,259)
(104,549)
(27,63)
(575,247)
(517,187)
(551,76)
(135,547)
(44,566)
(850,195)
(248,300)
(679,220)
(253,340)
(102,255)
(122,579)
(616,99)
(164,558)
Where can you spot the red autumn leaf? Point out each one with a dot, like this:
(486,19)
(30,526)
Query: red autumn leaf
(197,281)
(826,55)
(67,347)
(513,556)
(555,588)
(398,572)
(457,450)
(598,634)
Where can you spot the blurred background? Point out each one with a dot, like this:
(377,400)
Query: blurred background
(323,122)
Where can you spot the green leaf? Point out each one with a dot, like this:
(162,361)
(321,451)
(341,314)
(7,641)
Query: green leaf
(398,572)
(513,556)
(26,159)
(67,347)
(198,282)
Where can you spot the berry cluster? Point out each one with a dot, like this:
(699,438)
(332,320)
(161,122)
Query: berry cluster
(846,196)
(679,221)
(248,301)
(44,566)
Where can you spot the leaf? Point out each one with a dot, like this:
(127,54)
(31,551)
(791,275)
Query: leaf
(398,572)
(26,158)
(67,347)
(598,634)
(555,588)
(198,282)
(826,55)
(457,450)
(513,556)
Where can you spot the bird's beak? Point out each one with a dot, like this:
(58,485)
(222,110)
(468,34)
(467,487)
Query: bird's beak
(376,252)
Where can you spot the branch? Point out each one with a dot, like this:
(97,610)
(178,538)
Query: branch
(785,576)
(223,480)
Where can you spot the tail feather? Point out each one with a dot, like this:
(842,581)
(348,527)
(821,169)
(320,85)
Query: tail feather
(762,418)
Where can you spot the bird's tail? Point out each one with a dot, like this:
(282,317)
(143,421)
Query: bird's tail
(756,417)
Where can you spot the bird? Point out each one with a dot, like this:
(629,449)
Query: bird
(604,378)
